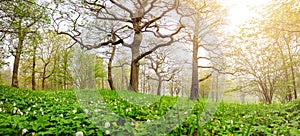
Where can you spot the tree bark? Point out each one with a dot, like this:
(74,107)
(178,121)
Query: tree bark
(44,76)
(109,67)
(33,83)
(134,71)
(15,82)
(159,86)
(65,69)
(195,85)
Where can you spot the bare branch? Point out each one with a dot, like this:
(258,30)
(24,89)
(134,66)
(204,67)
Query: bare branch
(122,7)
(205,78)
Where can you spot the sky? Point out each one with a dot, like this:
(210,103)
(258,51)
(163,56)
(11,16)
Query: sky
(240,11)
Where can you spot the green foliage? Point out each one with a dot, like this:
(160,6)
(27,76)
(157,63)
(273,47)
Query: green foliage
(99,68)
(58,113)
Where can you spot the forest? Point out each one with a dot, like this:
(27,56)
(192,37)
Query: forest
(149,67)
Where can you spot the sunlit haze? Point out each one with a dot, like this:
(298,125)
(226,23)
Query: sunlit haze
(240,11)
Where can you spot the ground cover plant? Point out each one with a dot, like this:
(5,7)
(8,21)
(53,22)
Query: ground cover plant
(58,112)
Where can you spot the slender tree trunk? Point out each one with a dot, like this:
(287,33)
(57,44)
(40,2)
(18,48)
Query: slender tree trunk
(15,82)
(122,80)
(172,88)
(109,67)
(65,69)
(159,85)
(33,83)
(195,85)
(102,84)
(44,76)
(294,83)
(293,74)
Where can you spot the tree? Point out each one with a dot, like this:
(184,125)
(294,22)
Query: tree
(84,69)
(142,17)
(269,56)
(282,19)
(100,71)
(257,61)
(165,69)
(20,19)
(202,21)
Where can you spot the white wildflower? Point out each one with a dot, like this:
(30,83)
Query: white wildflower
(34,112)
(1,102)
(41,109)
(0,109)
(42,113)
(148,121)
(29,109)
(97,110)
(15,110)
(27,112)
(79,133)
(14,104)
(24,131)
(106,125)
(86,111)
(231,121)
(61,115)
(20,112)
(74,111)
(185,113)
(107,132)
(83,125)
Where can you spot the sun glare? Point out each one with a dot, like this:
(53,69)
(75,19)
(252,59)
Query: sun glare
(240,11)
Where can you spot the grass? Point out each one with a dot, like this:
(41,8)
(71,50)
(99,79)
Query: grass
(94,112)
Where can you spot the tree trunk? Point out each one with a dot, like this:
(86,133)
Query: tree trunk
(65,69)
(293,74)
(294,83)
(109,67)
(44,76)
(102,84)
(122,79)
(134,71)
(33,83)
(159,86)
(134,77)
(195,85)
(15,82)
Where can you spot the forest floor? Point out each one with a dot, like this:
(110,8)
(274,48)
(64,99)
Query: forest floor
(104,112)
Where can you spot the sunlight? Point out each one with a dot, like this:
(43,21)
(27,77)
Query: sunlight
(240,11)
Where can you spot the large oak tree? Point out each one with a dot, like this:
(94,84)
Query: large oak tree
(137,19)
